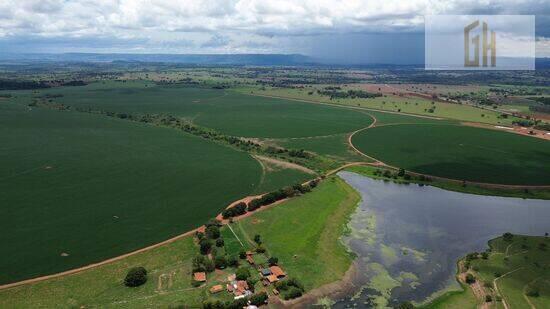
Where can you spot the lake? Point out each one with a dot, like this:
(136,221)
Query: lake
(408,238)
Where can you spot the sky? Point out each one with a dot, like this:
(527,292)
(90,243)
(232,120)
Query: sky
(352,31)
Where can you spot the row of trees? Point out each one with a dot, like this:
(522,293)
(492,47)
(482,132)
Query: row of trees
(336,94)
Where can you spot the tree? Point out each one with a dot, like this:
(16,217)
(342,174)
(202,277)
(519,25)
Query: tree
(470,279)
(273,261)
(488,298)
(257,239)
(242,273)
(136,276)
(507,236)
(232,261)
(219,242)
(220,262)
(259,299)
(242,254)
(205,246)
(260,249)
(401,172)
(212,232)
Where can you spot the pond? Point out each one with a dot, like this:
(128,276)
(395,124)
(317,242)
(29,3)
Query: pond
(408,237)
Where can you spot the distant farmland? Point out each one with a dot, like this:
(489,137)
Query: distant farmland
(227,111)
(79,188)
(459,152)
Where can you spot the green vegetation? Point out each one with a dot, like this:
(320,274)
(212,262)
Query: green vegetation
(313,254)
(104,286)
(458,152)
(396,103)
(106,187)
(381,173)
(312,251)
(514,270)
(226,111)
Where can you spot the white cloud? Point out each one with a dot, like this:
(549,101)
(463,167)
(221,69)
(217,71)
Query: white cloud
(258,22)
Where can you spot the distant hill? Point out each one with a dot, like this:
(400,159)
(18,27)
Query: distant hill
(211,59)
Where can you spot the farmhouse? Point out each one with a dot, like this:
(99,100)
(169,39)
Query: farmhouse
(277,271)
(239,288)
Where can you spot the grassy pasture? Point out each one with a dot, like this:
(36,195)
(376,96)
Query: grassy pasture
(227,111)
(317,223)
(94,187)
(515,265)
(304,233)
(459,152)
(395,103)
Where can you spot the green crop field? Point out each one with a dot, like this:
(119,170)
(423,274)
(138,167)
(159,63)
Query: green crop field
(79,188)
(459,152)
(312,253)
(227,111)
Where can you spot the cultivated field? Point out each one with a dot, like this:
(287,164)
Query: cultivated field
(79,188)
(226,111)
(312,253)
(458,152)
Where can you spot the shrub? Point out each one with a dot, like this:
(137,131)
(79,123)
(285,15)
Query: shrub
(507,236)
(232,261)
(532,291)
(273,261)
(259,299)
(136,277)
(470,279)
(488,298)
(257,239)
(292,292)
(242,254)
(260,249)
(242,273)
(219,242)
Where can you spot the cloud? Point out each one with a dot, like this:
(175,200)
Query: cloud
(216,41)
(228,25)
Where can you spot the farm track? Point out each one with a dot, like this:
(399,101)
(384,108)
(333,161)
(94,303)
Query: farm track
(168,241)
(247,199)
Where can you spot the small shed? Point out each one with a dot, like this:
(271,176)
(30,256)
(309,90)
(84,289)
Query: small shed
(265,272)
(200,277)
(216,289)
(250,259)
(272,278)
